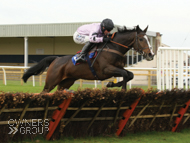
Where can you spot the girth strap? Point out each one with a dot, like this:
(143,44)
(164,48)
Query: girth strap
(91,68)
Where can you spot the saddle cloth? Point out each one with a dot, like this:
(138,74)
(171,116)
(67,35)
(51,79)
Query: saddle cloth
(92,55)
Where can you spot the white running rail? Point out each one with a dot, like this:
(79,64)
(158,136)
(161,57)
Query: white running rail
(173,67)
(14,67)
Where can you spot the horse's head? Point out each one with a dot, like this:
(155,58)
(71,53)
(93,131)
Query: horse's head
(142,44)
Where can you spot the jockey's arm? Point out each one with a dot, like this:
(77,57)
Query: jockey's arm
(93,38)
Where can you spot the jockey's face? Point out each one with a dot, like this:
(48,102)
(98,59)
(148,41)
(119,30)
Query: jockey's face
(106,32)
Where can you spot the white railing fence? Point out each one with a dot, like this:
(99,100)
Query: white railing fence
(16,72)
(4,68)
(173,68)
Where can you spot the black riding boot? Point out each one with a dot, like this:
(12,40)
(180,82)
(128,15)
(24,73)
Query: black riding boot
(87,47)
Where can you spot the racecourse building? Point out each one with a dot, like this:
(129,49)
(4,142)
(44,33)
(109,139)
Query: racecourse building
(29,43)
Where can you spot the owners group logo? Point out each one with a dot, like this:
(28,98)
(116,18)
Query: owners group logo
(31,126)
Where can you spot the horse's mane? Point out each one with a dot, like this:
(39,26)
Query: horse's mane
(124,29)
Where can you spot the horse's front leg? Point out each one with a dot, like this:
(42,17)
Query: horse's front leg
(112,84)
(114,71)
(119,84)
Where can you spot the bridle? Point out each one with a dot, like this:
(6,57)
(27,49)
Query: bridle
(140,50)
(135,40)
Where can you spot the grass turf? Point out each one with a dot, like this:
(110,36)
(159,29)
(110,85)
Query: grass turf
(15,86)
(146,137)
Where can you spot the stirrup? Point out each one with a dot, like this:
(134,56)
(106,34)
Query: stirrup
(81,58)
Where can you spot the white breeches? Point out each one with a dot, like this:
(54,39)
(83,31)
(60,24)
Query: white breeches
(80,39)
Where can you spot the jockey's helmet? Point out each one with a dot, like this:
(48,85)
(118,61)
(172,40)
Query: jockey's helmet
(107,24)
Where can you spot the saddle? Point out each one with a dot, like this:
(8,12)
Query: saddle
(92,54)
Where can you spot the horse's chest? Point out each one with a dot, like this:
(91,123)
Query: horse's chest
(120,63)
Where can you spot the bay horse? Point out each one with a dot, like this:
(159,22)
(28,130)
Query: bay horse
(110,62)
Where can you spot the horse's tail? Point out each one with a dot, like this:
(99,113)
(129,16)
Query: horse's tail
(38,68)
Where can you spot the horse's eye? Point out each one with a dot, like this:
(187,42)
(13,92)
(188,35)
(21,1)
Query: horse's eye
(141,39)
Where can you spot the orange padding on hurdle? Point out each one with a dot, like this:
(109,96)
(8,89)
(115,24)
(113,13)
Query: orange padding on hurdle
(181,112)
(127,114)
(57,115)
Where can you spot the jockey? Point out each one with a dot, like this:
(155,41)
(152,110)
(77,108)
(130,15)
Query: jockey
(90,34)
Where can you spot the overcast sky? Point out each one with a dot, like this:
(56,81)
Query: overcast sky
(169,17)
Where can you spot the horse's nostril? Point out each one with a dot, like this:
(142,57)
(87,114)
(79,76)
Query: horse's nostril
(150,54)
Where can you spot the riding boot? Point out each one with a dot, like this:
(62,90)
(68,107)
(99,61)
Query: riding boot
(87,47)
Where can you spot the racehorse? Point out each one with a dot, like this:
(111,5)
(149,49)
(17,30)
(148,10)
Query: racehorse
(109,63)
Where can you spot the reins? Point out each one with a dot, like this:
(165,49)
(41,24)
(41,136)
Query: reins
(125,45)
(116,42)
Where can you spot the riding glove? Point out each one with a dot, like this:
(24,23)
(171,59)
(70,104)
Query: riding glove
(106,39)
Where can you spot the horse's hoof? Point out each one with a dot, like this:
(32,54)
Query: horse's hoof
(110,84)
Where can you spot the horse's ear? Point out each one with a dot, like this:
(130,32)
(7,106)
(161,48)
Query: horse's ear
(145,29)
(138,29)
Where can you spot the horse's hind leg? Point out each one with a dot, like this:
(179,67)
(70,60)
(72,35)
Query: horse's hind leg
(65,84)
(52,80)
(48,88)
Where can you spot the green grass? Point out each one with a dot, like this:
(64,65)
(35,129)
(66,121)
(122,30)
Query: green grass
(15,86)
(146,137)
